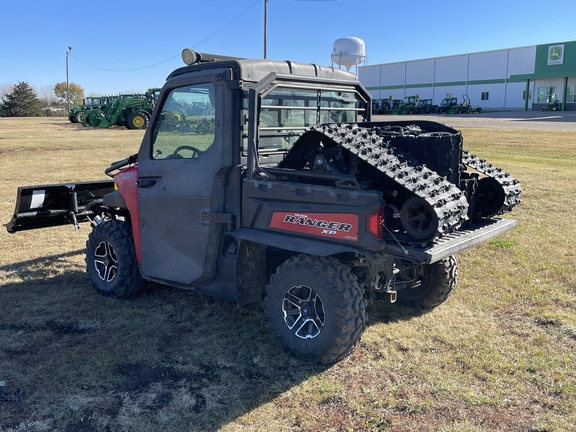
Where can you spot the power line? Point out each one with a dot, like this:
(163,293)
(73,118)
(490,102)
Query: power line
(122,70)
(177,55)
(222,28)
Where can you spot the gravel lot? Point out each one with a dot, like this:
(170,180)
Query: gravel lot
(527,120)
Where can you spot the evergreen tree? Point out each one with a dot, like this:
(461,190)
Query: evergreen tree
(21,102)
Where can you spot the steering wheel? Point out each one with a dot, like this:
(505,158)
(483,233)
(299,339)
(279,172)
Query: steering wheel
(195,152)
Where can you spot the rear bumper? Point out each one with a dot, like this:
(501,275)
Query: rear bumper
(478,232)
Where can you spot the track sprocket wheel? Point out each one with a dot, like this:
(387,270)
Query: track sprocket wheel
(419,219)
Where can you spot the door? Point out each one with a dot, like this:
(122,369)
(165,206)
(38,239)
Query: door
(179,166)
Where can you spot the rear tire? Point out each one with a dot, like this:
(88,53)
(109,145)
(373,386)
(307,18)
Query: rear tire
(111,260)
(432,286)
(316,308)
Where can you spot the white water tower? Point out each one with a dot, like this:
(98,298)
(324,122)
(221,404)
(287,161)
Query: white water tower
(348,52)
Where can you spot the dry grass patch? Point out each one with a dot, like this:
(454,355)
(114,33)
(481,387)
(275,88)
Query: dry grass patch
(499,355)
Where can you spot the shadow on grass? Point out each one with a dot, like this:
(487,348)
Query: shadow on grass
(26,265)
(75,360)
(382,311)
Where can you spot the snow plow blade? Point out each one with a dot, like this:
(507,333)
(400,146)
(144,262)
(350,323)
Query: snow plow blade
(56,204)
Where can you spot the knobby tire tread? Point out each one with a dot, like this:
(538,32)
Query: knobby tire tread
(440,281)
(346,294)
(128,281)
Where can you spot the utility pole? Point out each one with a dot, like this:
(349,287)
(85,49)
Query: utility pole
(67,84)
(265,25)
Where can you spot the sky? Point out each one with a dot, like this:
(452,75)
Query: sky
(124,46)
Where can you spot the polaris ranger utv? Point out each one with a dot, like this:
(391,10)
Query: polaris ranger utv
(264,180)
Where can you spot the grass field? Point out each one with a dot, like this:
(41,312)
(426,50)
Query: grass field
(499,355)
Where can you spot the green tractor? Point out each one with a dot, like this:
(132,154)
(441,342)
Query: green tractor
(467,108)
(389,105)
(406,107)
(425,106)
(447,105)
(451,106)
(77,112)
(132,112)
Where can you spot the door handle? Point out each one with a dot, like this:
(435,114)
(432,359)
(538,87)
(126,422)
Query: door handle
(145,182)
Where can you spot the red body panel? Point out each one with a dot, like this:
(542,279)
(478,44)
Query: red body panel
(126,182)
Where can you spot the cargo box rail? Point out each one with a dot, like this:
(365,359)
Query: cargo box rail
(56,204)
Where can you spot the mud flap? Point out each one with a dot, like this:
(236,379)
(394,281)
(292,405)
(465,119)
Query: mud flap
(56,204)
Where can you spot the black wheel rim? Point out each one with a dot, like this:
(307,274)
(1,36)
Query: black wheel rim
(303,311)
(105,261)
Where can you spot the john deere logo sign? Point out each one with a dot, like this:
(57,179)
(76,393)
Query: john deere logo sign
(555,54)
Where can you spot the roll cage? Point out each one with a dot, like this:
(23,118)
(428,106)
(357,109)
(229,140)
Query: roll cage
(312,99)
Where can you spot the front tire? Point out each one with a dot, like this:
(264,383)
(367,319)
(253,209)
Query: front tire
(137,120)
(429,285)
(111,260)
(316,308)
(78,117)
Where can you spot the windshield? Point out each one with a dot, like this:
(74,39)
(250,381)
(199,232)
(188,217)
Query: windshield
(287,111)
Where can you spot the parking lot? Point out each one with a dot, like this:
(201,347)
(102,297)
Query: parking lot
(531,120)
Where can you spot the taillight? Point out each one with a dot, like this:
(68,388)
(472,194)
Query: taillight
(375,223)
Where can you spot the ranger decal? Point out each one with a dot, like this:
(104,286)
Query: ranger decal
(342,226)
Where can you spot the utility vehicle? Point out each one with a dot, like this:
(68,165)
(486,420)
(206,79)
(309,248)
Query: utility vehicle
(262,180)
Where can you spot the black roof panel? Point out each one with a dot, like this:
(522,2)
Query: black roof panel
(255,69)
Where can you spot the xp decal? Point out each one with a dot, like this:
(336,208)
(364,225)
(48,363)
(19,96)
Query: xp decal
(343,226)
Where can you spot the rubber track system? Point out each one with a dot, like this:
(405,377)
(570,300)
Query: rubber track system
(511,191)
(446,200)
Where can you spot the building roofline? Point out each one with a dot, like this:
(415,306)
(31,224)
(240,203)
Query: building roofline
(464,54)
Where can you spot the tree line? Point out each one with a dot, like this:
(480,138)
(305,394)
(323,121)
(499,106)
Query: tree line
(22,100)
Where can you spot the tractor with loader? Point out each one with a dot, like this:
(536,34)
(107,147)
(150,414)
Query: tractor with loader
(131,111)
(77,112)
